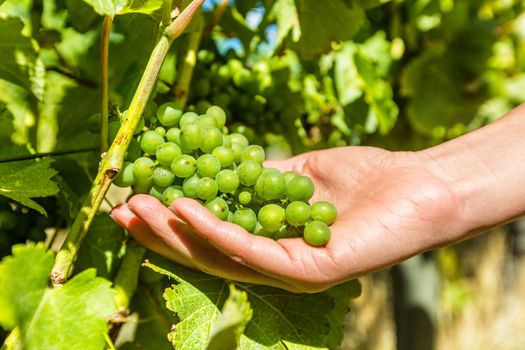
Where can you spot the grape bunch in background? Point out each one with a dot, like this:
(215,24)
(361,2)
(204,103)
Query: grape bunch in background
(191,155)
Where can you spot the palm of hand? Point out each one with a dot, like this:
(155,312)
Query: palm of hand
(390,207)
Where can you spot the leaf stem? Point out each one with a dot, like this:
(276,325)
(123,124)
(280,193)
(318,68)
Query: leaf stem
(47,154)
(127,277)
(112,161)
(104,82)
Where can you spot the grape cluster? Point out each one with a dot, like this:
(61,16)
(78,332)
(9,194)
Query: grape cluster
(191,155)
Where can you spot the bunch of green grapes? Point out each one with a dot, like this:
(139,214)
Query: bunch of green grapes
(194,156)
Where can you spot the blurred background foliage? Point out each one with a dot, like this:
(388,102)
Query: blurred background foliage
(294,75)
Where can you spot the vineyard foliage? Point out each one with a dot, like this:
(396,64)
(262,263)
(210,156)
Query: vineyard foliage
(292,75)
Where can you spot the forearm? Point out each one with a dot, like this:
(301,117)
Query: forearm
(485,171)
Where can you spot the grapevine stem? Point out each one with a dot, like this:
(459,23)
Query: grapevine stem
(104,83)
(182,87)
(112,161)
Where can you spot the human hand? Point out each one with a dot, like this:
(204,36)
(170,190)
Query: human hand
(390,206)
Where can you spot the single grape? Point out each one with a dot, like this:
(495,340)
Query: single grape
(169,114)
(316,233)
(202,87)
(191,136)
(160,130)
(156,191)
(184,166)
(189,186)
(249,172)
(163,177)
(212,138)
(218,207)
(125,177)
(188,118)
(298,213)
(239,139)
(150,140)
(246,218)
(245,197)
(253,152)
(170,194)
(227,181)
(270,185)
(237,151)
(208,165)
(207,188)
(261,231)
(167,152)
(271,217)
(224,155)
(142,185)
(202,106)
(324,211)
(289,175)
(300,188)
(143,168)
(173,135)
(206,121)
(218,114)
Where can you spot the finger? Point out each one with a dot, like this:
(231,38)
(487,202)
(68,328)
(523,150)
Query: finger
(143,234)
(177,236)
(291,164)
(269,257)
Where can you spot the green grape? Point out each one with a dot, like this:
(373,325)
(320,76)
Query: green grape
(271,217)
(286,232)
(206,56)
(173,135)
(156,191)
(246,218)
(8,220)
(225,156)
(298,213)
(222,99)
(142,185)
(125,177)
(167,152)
(170,194)
(207,188)
(324,211)
(143,168)
(188,118)
(316,233)
(189,186)
(253,152)
(160,130)
(206,121)
(184,166)
(249,172)
(261,231)
(208,165)
(289,175)
(300,188)
(245,197)
(237,151)
(218,114)
(227,181)
(150,140)
(202,106)
(163,177)
(134,151)
(212,138)
(169,114)
(223,75)
(244,130)
(218,207)
(191,136)
(270,185)
(239,139)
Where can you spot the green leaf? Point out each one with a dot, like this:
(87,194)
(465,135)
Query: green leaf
(281,320)
(235,314)
(70,317)
(23,180)
(102,247)
(305,23)
(117,7)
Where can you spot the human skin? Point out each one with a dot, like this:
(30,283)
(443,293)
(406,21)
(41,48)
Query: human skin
(391,206)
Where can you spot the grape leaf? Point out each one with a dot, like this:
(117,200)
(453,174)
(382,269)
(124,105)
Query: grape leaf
(117,7)
(26,179)
(69,317)
(235,314)
(281,320)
